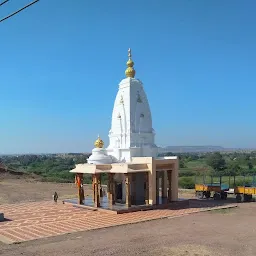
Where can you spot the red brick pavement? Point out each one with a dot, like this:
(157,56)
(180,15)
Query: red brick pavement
(29,221)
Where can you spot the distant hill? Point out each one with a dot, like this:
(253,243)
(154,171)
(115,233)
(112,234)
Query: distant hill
(197,149)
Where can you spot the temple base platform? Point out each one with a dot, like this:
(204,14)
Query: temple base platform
(119,208)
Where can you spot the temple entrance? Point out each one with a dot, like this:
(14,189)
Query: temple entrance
(119,192)
(140,186)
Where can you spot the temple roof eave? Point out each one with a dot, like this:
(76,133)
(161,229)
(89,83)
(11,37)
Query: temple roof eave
(139,164)
(109,168)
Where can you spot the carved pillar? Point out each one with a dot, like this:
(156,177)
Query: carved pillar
(109,186)
(146,189)
(164,185)
(133,188)
(111,189)
(100,187)
(157,187)
(169,174)
(93,190)
(82,189)
(96,190)
(128,189)
(79,183)
(175,181)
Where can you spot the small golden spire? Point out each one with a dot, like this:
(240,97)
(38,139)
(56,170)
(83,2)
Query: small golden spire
(99,142)
(130,71)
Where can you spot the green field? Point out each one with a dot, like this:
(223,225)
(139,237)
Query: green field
(193,166)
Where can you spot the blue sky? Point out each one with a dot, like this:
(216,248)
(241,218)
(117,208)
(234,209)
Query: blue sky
(61,62)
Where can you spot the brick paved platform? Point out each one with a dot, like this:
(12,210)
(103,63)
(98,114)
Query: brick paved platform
(29,221)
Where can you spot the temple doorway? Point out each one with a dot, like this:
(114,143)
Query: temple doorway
(119,192)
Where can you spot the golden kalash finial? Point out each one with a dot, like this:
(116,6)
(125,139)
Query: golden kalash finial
(99,142)
(130,71)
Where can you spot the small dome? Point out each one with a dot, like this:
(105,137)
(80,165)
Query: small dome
(99,143)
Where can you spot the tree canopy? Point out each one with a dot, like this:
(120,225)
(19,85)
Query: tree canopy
(217,162)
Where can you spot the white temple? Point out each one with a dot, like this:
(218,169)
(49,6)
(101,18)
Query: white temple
(131,133)
(131,136)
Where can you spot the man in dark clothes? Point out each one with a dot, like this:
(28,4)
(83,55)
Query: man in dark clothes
(55,197)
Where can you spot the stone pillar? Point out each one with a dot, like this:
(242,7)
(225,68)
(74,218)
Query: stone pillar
(152,182)
(157,187)
(93,196)
(128,189)
(100,187)
(111,189)
(79,182)
(169,174)
(133,188)
(146,189)
(109,186)
(175,181)
(164,185)
(96,190)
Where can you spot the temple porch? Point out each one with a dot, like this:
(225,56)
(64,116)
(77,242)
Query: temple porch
(147,181)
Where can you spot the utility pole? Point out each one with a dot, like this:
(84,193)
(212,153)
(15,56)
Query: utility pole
(19,10)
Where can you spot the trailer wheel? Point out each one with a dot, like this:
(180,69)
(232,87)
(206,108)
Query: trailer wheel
(216,196)
(224,195)
(199,194)
(240,198)
(247,198)
(207,194)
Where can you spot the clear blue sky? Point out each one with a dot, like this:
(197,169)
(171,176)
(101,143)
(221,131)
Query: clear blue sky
(61,62)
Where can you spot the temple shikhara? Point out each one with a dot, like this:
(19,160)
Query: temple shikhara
(136,176)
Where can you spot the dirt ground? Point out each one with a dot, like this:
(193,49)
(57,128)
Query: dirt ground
(224,232)
(13,190)
(25,190)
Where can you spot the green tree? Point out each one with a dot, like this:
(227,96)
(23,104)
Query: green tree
(217,162)
(250,165)
(182,164)
(233,168)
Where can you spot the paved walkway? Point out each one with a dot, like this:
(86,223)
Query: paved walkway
(29,221)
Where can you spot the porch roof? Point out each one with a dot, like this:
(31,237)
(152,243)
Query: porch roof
(110,168)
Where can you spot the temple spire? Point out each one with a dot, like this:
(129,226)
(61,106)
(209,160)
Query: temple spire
(130,71)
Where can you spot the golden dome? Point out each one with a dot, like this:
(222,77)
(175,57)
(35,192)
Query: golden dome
(99,143)
(130,71)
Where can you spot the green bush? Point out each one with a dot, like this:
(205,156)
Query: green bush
(242,182)
(187,182)
(186,173)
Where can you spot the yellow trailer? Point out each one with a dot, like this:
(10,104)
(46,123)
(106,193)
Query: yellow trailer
(244,193)
(218,189)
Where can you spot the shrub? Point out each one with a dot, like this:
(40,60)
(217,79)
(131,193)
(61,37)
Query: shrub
(242,182)
(186,173)
(187,182)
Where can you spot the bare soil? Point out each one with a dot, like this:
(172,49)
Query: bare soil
(224,232)
(17,190)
